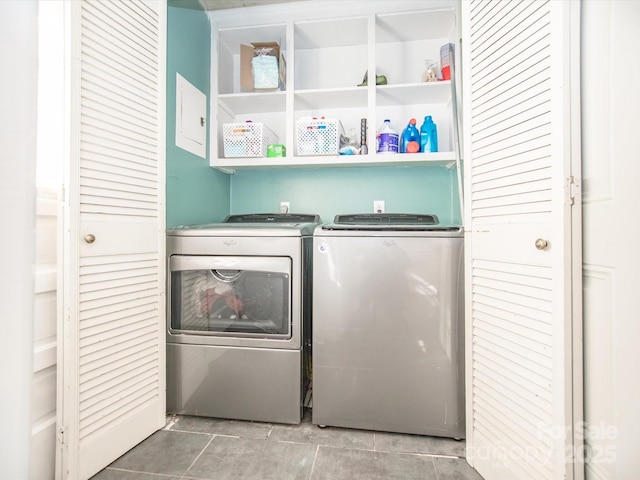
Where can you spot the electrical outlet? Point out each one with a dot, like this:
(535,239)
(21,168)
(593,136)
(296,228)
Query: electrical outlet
(284,207)
(378,206)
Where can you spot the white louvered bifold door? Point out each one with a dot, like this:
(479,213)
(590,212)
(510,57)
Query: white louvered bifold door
(520,139)
(112,390)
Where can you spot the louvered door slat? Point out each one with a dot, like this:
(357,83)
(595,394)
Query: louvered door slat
(96,73)
(117,379)
(533,341)
(105,321)
(535,100)
(116,137)
(121,125)
(515,161)
(523,276)
(501,48)
(101,280)
(118,113)
(503,156)
(532,167)
(138,181)
(109,375)
(538,405)
(515,389)
(525,417)
(125,165)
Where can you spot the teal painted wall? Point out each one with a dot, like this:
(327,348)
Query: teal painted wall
(330,191)
(196,193)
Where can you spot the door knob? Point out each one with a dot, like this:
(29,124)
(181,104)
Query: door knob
(90,238)
(541,244)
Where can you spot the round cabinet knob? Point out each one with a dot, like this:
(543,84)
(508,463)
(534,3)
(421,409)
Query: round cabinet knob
(90,238)
(541,244)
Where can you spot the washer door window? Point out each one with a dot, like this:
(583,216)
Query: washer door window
(231,296)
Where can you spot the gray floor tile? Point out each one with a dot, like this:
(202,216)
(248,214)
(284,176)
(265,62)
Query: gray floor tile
(455,469)
(170,453)
(396,442)
(219,426)
(112,474)
(246,458)
(283,452)
(305,432)
(341,463)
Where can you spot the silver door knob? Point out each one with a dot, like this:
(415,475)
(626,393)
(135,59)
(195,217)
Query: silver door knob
(541,244)
(90,238)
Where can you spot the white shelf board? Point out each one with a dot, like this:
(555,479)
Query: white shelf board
(254,102)
(230,165)
(323,33)
(413,93)
(387,95)
(234,37)
(314,99)
(400,27)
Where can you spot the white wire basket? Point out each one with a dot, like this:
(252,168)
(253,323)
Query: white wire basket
(247,139)
(318,136)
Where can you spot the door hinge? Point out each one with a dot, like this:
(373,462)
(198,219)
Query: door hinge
(61,438)
(571,190)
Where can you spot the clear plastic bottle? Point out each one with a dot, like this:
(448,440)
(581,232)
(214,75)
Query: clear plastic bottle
(387,138)
(430,73)
(410,140)
(428,135)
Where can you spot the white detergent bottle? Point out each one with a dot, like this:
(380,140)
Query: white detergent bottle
(387,138)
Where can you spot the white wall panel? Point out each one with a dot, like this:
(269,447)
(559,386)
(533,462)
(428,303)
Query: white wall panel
(43,408)
(610,103)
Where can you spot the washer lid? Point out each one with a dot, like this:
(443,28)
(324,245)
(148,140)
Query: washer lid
(386,219)
(388,222)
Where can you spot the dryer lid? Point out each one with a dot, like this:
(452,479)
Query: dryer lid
(273,218)
(253,225)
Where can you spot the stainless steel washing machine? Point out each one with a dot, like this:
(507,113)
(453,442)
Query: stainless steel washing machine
(388,334)
(238,317)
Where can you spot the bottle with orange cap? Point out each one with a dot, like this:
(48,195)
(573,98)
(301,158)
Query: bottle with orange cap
(410,141)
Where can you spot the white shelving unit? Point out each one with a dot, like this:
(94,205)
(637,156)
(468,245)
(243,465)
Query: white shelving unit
(326,59)
(230,165)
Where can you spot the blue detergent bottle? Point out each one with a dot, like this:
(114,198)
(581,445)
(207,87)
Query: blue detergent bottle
(410,142)
(428,135)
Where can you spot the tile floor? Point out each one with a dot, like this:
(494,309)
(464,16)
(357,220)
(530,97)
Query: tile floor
(208,448)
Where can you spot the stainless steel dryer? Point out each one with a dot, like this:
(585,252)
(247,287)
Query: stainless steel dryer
(238,317)
(388,336)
